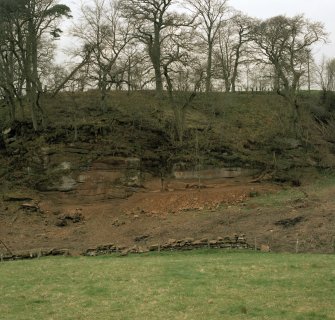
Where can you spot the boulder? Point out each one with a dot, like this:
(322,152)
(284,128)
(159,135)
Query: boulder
(171,241)
(265,248)
(154,247)
(197,243)
(30,206)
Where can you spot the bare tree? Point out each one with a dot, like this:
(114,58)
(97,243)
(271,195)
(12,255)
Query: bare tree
(31,23)
(285,43)
(326,80)
(137,66)
(232,48)
(321,70)
(42,17)
(151,18)
(103,30)
(330,74)
(60,76)
(211,15)
(179,63)
(11,76)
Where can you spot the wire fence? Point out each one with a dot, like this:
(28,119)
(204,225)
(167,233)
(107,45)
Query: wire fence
(298,245)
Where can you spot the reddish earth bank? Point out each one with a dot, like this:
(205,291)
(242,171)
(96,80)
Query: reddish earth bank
(144,216)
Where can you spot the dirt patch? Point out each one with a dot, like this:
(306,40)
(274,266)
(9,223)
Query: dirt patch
(219,208)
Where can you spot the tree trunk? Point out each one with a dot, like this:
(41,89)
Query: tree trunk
(235,70)
(8,83)
(308,73)
(9,100)
(227,85)
(129,77)
(209,67)
(179,114)
(103,93)
(155,55)
(31,64)
(2,141)
(225,73)
(158,80)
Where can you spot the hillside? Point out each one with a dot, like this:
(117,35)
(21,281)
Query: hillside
(225,130)
(91,178)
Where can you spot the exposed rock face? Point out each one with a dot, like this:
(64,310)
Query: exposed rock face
(67,184)
(133,175)
(70,169)
(64,184)
(110,177)
(212,173)
(107,177)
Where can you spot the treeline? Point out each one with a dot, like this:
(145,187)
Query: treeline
(165,45)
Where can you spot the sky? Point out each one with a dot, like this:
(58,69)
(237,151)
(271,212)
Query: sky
(315,10)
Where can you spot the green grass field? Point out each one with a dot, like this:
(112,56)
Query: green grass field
(192,285)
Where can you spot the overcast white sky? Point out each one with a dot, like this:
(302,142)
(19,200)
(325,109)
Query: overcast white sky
(316,10)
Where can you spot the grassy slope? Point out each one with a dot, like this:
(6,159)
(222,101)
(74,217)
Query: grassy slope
(193,285)
(248,130)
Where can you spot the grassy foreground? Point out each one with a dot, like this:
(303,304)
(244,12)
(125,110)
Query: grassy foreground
(192,285)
